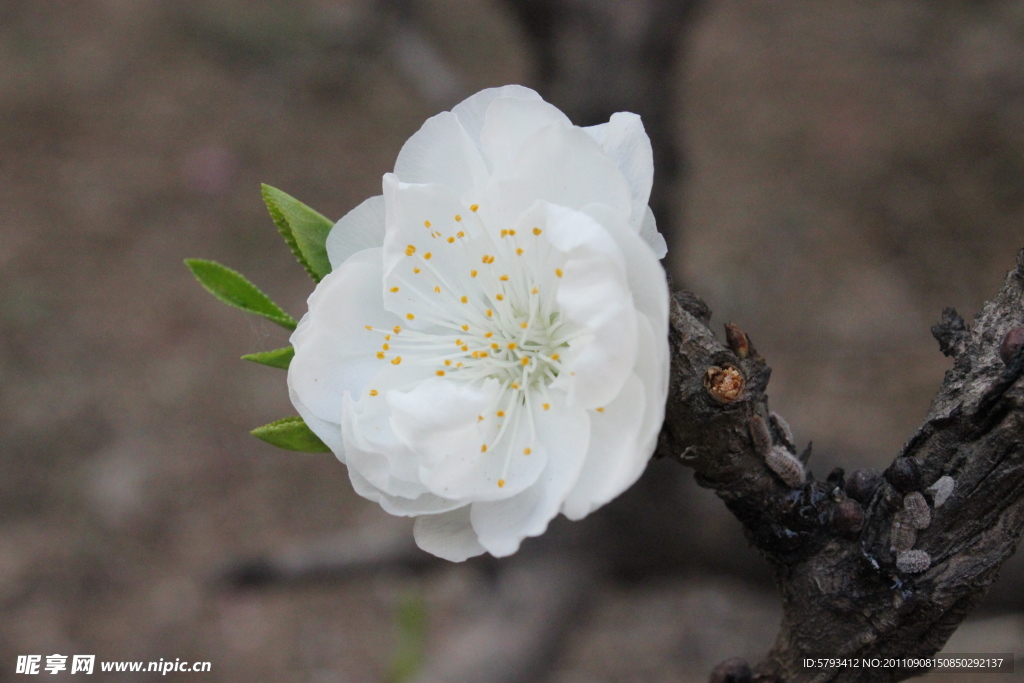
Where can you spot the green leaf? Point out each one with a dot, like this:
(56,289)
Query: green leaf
(278,358)
(292,434)
(302,228)
(232,288)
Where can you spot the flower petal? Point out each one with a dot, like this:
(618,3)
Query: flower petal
(472,111)
(560,165)
(442,152)
(361,228)
(649,234)
(625,141)
(426,504)
(328,431)
(334,352)
(423,217)
(613,461)
(593,292)
(565,434)
(438,420)
(509,123)
(448,535)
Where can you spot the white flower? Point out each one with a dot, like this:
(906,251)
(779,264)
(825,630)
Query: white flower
(491,346)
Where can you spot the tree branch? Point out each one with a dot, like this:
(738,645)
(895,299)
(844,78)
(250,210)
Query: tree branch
(872,566)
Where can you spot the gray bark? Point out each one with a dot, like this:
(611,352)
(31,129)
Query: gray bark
(844,593)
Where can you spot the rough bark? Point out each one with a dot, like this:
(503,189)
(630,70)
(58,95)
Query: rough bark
(843,593)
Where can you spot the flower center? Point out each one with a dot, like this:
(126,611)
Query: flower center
(493,315)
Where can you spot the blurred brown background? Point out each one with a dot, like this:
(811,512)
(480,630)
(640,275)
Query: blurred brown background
(849,168)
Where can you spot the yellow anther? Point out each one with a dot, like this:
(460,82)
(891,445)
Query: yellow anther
(483,448)
(458,342)
(500,413)
(409,316)
(511,346)
(524,325)
(500,297)
(426,257)
(447,362)
(487,258)
(373,392)
(488,335)
(504,233)
(437,289)
(396,360)
(489,313)
(547,406)
(394,289)
(465,328)
(387,337)
(519,251)
(464,348)
(501,483)
(512,232)
(410,250)
(495,345)
(397,329)
(558,272)
(416,270)
(524,360)
(600,410)
(368,327)
(440,373)
(537,231)
(479,418)
(464,299)
(385,347)
(459,365)
(474,207)
(460,234)
(503,278)
(458,218)
(527,451)
(472,273)
(515,385)
(380,354)
(555,356)
(450,240)
(426,224)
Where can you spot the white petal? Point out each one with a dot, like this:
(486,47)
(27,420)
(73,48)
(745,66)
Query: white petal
(649,234)
(565,434)
(509,123)
(593,292)
(427,504)
(442,152)
(361,228)
(472,111)
(328,431)
(438,419)
(560,165)
(614,461)
(371,446)
(448,535)
(647,280)
(441,264)
(334,352)
(624,140)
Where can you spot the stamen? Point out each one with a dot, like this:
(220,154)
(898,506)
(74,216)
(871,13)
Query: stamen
(483,448)
(537,231)
(373,392)
(437,289)
(527,451)
(410,250)
(397,329)
(394,289)
(458,218)
(464,299)
(450,240)
(472,273)
(428,255)
(416,271)
(397,360)
(501,483)
(547,406)
(474,207)
(440,373)
(426,224)
(410,316)
(558,272)
(503,278)
(600,410)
